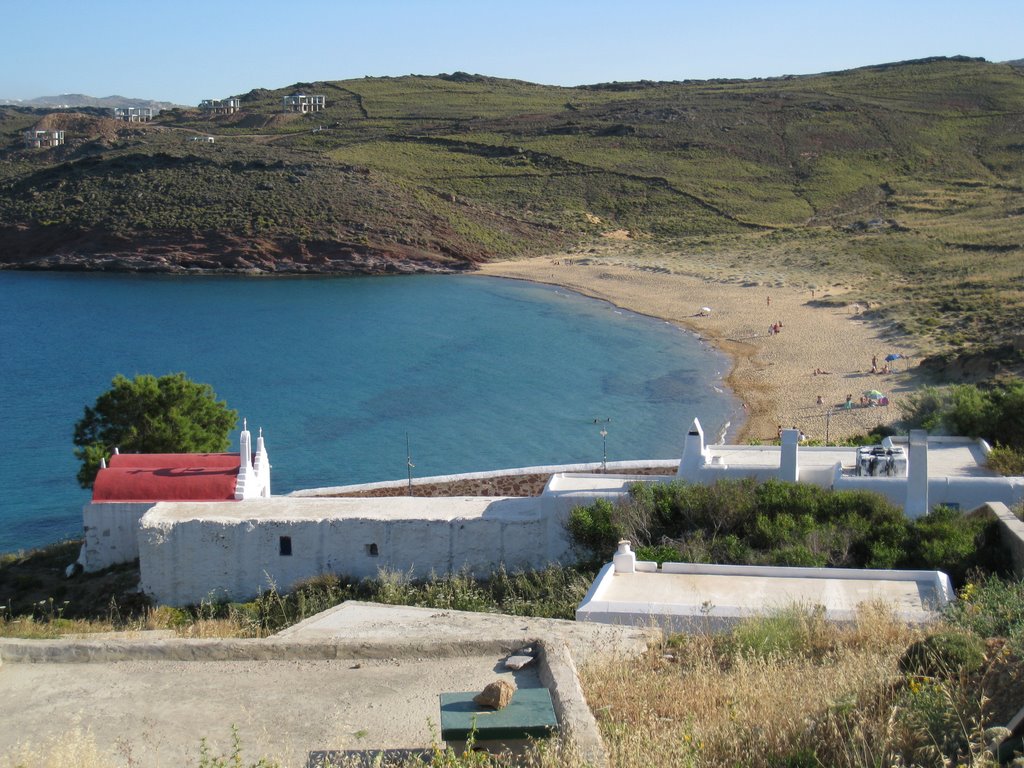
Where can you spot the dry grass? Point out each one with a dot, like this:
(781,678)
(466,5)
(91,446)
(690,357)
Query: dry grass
(833,698)
(76,748)
(46,627)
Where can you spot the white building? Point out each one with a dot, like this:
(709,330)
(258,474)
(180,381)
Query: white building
(301,102)
(134,114)
(923,471)
(221,106)
(43,139)
(192,547)
(127,487)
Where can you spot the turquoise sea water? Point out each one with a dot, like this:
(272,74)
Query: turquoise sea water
(481,373)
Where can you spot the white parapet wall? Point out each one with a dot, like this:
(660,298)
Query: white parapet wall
(614,467)
(693,597)
(192,552)
(1011,529)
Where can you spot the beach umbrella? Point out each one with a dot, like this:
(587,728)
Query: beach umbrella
(706,310)
(893,356)
(873,394)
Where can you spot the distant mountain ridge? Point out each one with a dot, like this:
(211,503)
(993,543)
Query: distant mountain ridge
(72,100)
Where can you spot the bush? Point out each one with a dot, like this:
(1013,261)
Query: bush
(991,607)
(659,554)
(594,527)
(996,414)
(944,655)
(777,523)
(950,541)
(1006,461)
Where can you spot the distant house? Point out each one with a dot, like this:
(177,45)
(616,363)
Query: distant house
(300,102)
(135,114)
(43,139)
(221,106)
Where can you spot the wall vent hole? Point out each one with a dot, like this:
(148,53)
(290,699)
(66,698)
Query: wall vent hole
(371,550)
(285,546)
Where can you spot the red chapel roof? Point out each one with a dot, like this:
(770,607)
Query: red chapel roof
(134,477)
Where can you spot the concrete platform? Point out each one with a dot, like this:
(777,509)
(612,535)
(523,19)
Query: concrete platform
(361,676)
(686,597)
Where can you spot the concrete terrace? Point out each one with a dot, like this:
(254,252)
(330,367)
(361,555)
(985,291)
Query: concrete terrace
(358,677)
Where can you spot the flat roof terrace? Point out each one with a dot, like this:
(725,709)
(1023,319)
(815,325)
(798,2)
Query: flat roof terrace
(314,509)
(690,596)
(957,460)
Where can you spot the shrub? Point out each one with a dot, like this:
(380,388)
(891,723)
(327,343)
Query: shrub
(955,543)
(797,555)
(945,655)
(990,607)
(594,527)
(996,414)
(776,498)
(1006,461)
(739,522)
(659,554)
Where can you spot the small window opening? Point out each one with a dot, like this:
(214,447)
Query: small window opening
(285,544)
(371,550)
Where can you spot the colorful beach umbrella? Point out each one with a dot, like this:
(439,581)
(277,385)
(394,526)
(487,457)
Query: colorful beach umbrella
(873,394)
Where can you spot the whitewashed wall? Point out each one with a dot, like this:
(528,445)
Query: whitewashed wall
(185,561)
(110,533)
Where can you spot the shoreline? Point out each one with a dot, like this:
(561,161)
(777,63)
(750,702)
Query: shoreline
(773,375)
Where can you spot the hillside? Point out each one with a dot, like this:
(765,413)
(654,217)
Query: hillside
(902,181)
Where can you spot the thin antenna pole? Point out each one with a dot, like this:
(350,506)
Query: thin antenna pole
(408,461)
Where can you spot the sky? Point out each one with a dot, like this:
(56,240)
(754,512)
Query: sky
(189,50)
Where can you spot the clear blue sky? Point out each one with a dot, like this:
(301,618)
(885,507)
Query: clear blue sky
(189,50)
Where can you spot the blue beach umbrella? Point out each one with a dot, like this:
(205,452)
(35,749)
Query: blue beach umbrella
(893,356)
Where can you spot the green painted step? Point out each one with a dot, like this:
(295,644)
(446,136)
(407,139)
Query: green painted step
(529,714)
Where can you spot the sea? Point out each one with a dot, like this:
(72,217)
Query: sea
(346,377)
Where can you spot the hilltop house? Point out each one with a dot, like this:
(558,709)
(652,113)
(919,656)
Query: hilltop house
(221,106)
(43,139)
(300,102)
(127,487)
(134,114)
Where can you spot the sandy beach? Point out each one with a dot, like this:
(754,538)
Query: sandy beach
(772,373)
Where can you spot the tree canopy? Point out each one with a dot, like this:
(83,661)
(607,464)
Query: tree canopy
(170,414)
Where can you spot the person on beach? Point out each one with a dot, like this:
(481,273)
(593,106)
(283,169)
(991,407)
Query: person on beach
(820,400)
(769,301)
(849,402)
(874,363)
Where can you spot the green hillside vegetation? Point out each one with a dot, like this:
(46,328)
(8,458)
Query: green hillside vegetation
(903,182)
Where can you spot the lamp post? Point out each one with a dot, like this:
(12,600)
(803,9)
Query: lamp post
(828,422)
(604,450)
